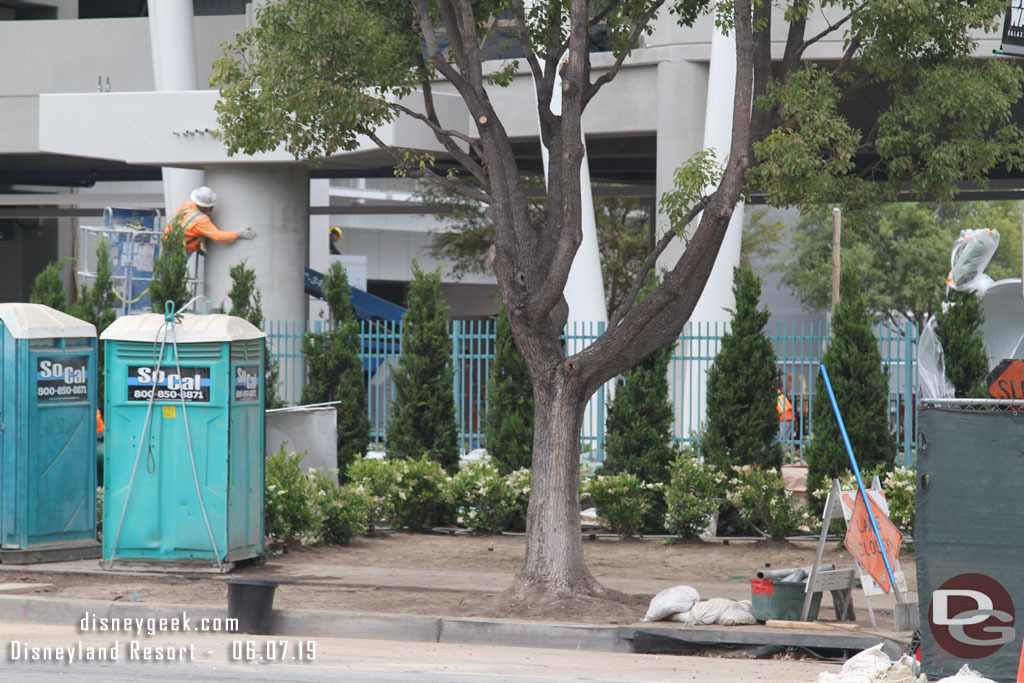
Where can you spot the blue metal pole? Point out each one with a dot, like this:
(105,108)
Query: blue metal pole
(856,473)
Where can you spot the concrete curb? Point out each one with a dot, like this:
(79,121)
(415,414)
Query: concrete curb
(416,628)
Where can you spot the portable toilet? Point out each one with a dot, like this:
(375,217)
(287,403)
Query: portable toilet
(183,470)
(47,435)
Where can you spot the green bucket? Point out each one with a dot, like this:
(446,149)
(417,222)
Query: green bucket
(781,600)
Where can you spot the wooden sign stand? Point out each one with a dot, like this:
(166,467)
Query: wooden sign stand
(840,581)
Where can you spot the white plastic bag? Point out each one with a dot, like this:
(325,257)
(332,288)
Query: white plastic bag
(966,675)
(971,253)
(671,601)
(931,365)
(859,668)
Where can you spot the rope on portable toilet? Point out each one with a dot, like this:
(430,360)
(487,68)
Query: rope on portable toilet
(169,318)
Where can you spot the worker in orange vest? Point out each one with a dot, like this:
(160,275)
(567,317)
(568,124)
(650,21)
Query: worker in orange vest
(195,218)
(785,408)
(100,427)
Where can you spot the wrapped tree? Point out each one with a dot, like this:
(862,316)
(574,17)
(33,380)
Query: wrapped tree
(508,428)
(423,413)
(742,385)
(334,369)
(861,387)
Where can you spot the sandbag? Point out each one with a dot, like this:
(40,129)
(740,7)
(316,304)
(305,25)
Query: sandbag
(708,611)
(671,601)
(738,614)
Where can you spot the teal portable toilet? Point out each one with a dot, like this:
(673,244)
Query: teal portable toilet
(183,471)
(47,435)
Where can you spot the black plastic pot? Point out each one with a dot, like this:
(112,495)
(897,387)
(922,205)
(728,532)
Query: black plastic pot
(251,601)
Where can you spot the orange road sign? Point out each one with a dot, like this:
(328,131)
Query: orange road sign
(863,545)
(1007,379)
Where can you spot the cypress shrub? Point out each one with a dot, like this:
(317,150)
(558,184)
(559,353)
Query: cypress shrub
(742,384)
(423,413)
(170,272)
(508,425)
(334,369)
(861,387)
(246,302)
(958,329)
(48,288)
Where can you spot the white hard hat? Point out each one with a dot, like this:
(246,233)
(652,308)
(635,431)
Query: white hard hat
(204,196)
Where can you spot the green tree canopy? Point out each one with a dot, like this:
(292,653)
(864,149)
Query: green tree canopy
(900,252)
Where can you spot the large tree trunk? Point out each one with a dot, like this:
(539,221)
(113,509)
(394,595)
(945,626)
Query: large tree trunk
(554,563)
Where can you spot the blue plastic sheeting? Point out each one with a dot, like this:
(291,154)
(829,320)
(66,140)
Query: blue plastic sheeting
(367,306)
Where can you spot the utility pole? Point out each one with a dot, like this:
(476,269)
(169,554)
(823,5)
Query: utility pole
(836,222)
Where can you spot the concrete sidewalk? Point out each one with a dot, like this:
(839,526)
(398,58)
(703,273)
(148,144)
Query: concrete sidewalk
(663,637)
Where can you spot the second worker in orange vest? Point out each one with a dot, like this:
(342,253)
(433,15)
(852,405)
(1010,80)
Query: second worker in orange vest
(194,216)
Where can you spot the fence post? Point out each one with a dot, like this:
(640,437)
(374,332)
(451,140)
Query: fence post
(599,451)
(909,406)
(456,361)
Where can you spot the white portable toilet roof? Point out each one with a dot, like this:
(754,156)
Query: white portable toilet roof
(192,329)
(36,321)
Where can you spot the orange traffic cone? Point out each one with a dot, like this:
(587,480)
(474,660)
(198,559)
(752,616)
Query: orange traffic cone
(1020,666)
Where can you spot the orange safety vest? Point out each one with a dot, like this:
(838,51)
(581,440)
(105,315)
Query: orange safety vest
(99,423)
(198,225)
(784,407)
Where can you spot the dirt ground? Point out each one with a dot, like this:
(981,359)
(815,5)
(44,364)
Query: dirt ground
(452,575)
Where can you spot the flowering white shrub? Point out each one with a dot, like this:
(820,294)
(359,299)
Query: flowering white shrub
(483,497)
(693,495)
(621,499)
(762,498)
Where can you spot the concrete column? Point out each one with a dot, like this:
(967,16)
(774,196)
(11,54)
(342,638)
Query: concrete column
(273,200)
(682,97)
(319,236)
(172,39)
(718,136)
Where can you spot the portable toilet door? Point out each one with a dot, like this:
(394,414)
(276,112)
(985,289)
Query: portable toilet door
(47,435)
(184,457)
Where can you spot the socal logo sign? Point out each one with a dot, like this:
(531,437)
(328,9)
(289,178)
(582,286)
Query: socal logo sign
(971,616)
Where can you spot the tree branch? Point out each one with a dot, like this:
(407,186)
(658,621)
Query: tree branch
(599,17)
(851,51)
(831,29)
(445,137)
(433,49)
(542,86)
(634,37)
(651,260)
(428,173)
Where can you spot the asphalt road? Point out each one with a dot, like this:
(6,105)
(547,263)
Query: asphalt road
(28,652)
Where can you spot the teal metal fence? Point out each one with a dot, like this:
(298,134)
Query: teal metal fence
(798,349)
